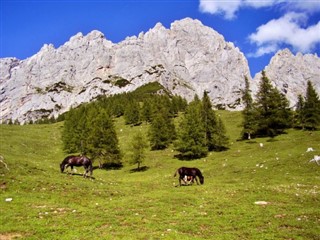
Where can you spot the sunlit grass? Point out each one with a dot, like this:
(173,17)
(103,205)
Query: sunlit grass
(125,204)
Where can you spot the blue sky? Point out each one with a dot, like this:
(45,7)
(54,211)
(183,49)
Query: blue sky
(258,28)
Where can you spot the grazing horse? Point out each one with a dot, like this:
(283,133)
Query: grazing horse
(77,161)
(189,172)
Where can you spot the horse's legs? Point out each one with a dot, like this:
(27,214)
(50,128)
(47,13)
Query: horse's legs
(66,168)
(180,181)
(196,180)
(85,171)
(72,170)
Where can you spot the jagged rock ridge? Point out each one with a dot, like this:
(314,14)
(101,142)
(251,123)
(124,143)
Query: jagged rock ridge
(290,73)
(187,59)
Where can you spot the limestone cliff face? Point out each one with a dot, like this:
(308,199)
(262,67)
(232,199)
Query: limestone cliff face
(187,59)
(290,73)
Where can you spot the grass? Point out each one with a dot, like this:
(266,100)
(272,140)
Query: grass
(124,204)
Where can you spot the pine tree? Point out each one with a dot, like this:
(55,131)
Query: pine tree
(191,142)
(222,142)
(72,133)
(299,114)
(138,147)
(311,110)
(215,133)
(146,111)
(132,113)
(162,130)
(102,141)
(249,113)
(274,114)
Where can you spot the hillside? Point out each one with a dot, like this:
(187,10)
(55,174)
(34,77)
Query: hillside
(125,204)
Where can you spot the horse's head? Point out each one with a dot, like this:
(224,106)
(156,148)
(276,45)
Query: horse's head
(201,179)
(62,165)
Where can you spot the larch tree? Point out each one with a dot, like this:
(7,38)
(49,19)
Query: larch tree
(191,142)
(311,109)
(138,147)
(273,112)
(249,124)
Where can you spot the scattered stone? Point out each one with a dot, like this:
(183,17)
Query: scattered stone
(261,203)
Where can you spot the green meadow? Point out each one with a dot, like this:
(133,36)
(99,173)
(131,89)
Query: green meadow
(37,201)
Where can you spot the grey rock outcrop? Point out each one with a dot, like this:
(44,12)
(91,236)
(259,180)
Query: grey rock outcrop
(187,59)
(290,73)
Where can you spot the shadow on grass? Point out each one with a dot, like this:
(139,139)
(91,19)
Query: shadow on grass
(182,157)
(110,166)
(79,175)
(184,185)
(141,169)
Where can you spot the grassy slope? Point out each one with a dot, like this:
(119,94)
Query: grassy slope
(121,204)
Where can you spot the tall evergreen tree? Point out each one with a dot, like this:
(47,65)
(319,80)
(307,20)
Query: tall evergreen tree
(249,113)
(210,121)
(191,142)
(299,114)
(102,141)
(311,110)
(162,130)
(221,141)
(74,130)
(215,133)
(274,114)
(132,113)
(138,147)
(146,111)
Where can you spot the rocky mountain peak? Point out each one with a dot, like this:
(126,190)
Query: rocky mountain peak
(187,59)
(290,73)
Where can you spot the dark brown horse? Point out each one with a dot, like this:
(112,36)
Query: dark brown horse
(77,161)
(189,172)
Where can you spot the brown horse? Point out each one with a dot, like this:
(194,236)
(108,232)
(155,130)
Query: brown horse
(191,173)
(77,161)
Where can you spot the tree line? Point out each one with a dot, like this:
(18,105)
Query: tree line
(270,115)
(89,129)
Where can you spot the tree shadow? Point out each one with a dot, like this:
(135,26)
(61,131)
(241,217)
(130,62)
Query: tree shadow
(110,166)
(182,157)
(141,169)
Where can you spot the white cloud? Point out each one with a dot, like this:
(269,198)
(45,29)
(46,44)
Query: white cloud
(229,8)
(306,6)
(287,30)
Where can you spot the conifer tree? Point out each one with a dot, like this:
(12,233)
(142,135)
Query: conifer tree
(274,114)
(299,114)
(249,114)
(146,111)
(132,113)
(215,133)
(70,142)
(138,147)
(162,130)
(102,140)
(221,141)
(209,120)
(73,130)
(191,142)
(311,109)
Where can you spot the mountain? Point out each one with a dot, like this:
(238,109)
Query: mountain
(290,73)
(187,59)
